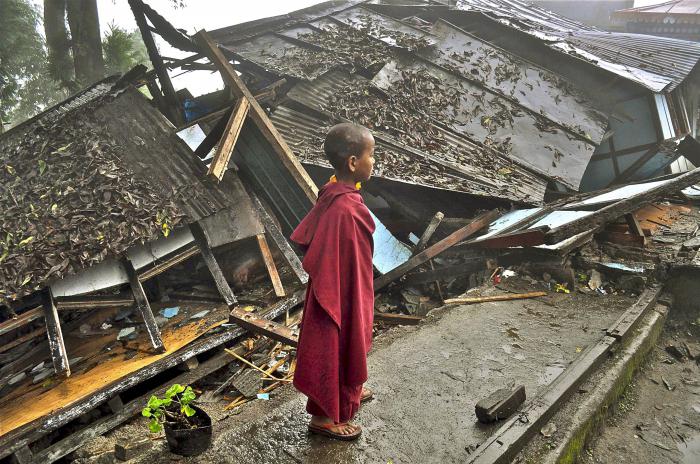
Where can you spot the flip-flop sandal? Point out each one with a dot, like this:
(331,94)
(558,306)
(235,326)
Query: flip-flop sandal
(367,397)
(326,431)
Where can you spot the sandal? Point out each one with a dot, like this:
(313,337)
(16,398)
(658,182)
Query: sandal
(326,431)
(366,396)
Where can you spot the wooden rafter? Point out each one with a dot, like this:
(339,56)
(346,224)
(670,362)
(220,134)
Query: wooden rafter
(218,165)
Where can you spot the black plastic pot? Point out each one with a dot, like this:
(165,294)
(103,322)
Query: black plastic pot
(190,442)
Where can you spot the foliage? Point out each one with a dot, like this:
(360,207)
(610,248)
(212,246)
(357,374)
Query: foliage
(175,405)
(25,86)
(123,50)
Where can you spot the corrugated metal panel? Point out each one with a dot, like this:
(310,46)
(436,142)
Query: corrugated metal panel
(304,133)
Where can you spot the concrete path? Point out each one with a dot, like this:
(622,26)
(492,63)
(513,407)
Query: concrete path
(427,380)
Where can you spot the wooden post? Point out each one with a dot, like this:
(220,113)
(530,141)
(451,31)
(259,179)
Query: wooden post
(59,356)
(633,224)
(257,114)
(270,265)
(143,306)
(173,104)
(217,274)
(279,239)
(218,165)
(429,231)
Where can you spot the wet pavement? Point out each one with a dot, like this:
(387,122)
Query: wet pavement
(426,379)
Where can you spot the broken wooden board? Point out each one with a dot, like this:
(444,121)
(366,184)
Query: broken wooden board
(270,265)
(264,327)
(424,256)
(219,164)
(99,368)
(486,299)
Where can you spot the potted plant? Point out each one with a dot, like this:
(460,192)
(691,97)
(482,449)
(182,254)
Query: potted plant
(187,427)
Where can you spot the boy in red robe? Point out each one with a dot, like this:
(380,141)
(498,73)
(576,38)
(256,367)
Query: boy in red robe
(336,328)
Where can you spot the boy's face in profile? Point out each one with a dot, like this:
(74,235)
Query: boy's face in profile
(362,165)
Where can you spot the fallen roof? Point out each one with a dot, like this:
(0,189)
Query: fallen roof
(87,181)
(658,63)
(420,83)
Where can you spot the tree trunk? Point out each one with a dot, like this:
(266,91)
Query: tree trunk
(60,63)
(84,24)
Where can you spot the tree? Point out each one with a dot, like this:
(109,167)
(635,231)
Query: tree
(123,50)
(25,87)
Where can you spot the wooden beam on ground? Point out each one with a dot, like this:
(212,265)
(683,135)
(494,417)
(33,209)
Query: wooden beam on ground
(143,306)
(267,328)
(213,265)
(218,165)
(257,114)
(428,233)
(622,207)
(57,347)
(424,256)
(21,320)
(397,319)
(24,338)
(270,265)
(485,299)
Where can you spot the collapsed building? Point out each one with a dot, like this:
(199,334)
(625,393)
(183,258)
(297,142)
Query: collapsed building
(135,228)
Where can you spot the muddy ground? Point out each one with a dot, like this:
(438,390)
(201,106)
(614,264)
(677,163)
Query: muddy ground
(658,418)
(427,380)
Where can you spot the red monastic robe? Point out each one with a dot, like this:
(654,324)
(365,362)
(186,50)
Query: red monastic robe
(336,328)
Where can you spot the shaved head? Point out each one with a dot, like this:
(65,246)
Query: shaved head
(345,140)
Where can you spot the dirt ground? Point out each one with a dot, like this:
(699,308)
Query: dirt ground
(427,380)
(658,419)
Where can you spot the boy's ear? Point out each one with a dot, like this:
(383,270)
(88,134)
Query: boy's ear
(352,161)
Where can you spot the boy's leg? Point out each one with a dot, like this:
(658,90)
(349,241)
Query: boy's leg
(350,402)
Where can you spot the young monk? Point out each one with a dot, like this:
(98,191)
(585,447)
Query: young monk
(336,329)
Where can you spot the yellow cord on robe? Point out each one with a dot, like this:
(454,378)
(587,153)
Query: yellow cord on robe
(333,180)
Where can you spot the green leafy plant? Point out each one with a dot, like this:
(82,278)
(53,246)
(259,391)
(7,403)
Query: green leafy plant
(174,407)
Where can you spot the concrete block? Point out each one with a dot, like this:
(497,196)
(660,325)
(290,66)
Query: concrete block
(500,404)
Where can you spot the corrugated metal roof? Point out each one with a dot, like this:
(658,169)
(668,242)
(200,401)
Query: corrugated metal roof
(658,63)
(675,7)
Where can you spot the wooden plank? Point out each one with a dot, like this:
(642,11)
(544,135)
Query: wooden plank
(633,224)
(143,306)
(485,299)
(465,232)
(622,238)
(171,261)
(428,233)
(270,329)
(18,341)
(174,110)
(622,207)
(21,320)
(523,238)
(279,239)
(84,302)
(397,319)
(218,165)
(270,265)
(57,347)
(624,325)
(24,456)
(257,114)
(214,135)
(213,265)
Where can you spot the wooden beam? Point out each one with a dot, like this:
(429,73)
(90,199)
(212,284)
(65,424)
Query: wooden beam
(633,224)
(523,238)
(397,319)
(143,306)
(276,235)
(428,233)
(465,232)
(24,338)
(258,325)
(57,347)
(622,207)
(270,265)
(257,114)
(486,299)
(218,165)
(21,320)
(175,113)
(213,265)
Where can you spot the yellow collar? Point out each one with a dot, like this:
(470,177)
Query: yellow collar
(333,180)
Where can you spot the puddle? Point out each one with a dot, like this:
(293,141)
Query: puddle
(690,450)
(550,373)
